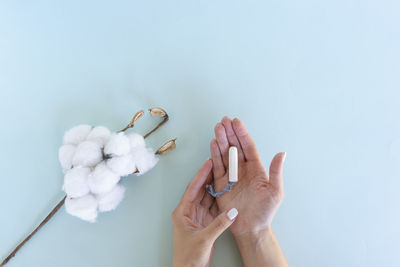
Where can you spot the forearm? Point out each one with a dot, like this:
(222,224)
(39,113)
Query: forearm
(261,249)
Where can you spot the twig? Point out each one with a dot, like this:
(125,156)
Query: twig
(48,217)
(165,119)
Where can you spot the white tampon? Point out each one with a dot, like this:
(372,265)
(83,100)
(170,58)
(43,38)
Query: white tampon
(233,164)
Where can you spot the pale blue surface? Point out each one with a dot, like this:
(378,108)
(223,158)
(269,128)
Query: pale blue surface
(318,79)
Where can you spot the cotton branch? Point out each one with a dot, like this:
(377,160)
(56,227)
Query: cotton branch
(168,146)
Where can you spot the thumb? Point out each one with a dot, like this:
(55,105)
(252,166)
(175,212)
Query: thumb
(221,223)
(276,170)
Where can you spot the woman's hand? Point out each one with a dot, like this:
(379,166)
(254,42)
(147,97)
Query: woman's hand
(196,222)
(256,195)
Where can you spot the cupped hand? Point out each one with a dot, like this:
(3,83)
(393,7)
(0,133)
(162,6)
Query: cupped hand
(197,222)
(257,194)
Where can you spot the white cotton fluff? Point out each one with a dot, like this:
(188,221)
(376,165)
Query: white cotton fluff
(100,135)
(77,134)
(136,140)
(76,182)
(65,155)
(84,207)
(144,158)
(102,179)
(122,165)
(111,200)
(117,145)
(87,154)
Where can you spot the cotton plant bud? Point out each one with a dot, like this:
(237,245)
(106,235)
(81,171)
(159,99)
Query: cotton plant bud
(168,146)
(100,135)
(135,118)
(76,182)
(136,140)
(144,158)
(102,179)
(77,134)
(122,165)
(87,154)
(117,145)
(158,112)
(65,155)
(111,200)
(84,207)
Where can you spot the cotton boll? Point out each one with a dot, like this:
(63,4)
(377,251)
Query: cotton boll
(84,207)
(118,145)
(111,200)
(144,158)
(136,140)
(102,179)
(77,134)
(75,182)
(122,165)
(65,155)
(100,135)
(87,154)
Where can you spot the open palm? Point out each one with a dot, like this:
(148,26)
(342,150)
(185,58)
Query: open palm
(257,194)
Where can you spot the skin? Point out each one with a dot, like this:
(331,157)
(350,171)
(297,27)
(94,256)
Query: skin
(257,196)
(196,222)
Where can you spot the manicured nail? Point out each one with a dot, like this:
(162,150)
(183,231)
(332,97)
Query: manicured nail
(232,213)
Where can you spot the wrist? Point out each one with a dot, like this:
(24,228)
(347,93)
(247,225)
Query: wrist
(253,236)
(260,248)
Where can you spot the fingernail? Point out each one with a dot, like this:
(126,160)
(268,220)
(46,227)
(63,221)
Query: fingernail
(232,213)
(284,157)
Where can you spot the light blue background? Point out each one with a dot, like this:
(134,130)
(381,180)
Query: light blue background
(318,79)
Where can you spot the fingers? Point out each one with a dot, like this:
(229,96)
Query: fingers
(276,170)
(223,143)
(197,184)
(245,140)
(207,200)
(216,157)
(230,133)
(220,224)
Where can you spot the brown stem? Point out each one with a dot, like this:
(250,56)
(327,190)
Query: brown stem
(48,217)
(165,119)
